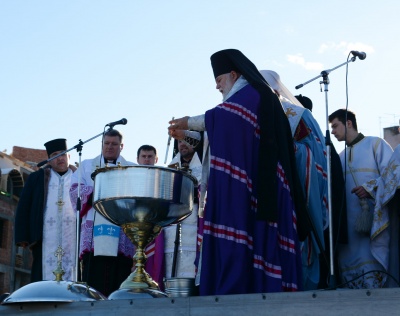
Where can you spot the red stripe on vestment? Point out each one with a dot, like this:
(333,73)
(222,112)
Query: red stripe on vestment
(321,170)
(282,176)
(149,251)
(243,113)
(287,244)
(228,233)
(308,174)
(289,287)
(234,171)
(294,218)
(269,269)
(240,110)
(253,203)
(199,240)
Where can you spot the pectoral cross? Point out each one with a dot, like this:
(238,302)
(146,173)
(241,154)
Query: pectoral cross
(59,272)
(60,204)
(59,253)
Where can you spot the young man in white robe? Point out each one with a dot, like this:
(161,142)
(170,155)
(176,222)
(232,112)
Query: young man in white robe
(363,162)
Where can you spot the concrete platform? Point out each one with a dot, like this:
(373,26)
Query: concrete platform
(336,302)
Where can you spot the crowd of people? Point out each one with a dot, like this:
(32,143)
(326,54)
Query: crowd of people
(260,220)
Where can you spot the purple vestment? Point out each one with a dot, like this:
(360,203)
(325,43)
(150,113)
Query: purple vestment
(241,254)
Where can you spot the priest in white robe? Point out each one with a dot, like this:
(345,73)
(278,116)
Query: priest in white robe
(105,251)
(363,162)
(45,219)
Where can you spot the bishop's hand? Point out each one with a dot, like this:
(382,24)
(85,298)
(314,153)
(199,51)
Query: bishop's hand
(179,123)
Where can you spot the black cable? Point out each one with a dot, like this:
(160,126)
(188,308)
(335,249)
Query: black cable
(344,198)
(361,275)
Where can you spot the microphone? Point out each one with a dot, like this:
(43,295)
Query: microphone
(42,163)
(360,55)
(120,122)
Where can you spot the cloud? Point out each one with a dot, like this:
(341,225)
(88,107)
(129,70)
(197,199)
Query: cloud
(299,60)
(345,47)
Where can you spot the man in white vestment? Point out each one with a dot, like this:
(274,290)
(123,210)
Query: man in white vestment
(385,227)
(363,162)
(186,159)
(45,219)
(105,251)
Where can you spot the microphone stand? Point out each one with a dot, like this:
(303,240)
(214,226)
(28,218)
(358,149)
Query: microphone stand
(78,148)
(176,249)
(325,80)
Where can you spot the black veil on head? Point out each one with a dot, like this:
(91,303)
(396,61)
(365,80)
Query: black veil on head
(228,60)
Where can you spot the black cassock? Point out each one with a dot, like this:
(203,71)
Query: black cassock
(29,218)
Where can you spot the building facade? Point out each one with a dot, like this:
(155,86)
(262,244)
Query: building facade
(15,262)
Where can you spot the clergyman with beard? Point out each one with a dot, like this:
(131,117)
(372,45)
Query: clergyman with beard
(254,211)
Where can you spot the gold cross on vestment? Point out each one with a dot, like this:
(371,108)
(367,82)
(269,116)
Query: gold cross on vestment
(59,253)
(59,272)
(290,112)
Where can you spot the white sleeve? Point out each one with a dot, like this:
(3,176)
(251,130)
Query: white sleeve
(382,154)
(197,123)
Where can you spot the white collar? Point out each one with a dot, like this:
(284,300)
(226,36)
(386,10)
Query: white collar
(239,84)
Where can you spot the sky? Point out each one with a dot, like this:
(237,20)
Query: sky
(68,68)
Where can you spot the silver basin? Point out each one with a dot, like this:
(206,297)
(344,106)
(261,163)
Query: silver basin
(155,195)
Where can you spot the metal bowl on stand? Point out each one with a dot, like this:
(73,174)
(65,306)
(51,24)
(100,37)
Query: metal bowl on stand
(142,200)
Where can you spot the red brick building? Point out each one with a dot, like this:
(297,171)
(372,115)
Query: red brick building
(15,262)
